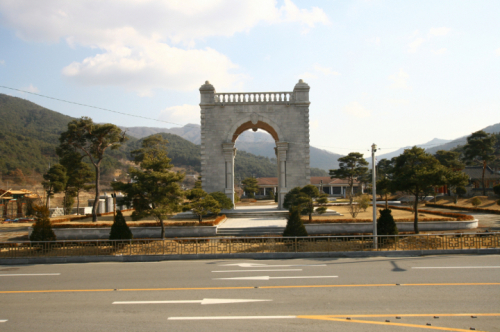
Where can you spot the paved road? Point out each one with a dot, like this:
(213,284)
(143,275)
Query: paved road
(294,295)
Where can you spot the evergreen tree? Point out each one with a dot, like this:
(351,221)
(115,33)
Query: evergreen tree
(92,140)
(304,198)
(202,204)
(386,224)
(120,229)
(55,181)
(79,174)
(351,167)
(416,173)
(42,229)
(294,225)
(480,149)
(224,201)
(250,186)
(155,190)
(271,194)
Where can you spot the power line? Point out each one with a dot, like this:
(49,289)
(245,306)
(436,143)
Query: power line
(181,125)
(96,107)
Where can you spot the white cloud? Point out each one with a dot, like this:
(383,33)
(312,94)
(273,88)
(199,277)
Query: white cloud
(31,88)
(414,45)
(325,70)
(317,71)
(440,51)
(357,110)
(443,31)
(2,62)
(498,51)
(400,80)
(397,102)
(148,44)
(374,40)
(181,114)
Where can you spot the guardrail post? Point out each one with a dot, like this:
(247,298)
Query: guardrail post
(295,244)
(130,248)
(163,246)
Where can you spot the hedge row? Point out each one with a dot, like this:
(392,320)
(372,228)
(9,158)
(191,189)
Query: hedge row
(215,222)
(454,207)
(457,216)
(345,221)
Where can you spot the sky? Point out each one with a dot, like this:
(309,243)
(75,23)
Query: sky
(393,73)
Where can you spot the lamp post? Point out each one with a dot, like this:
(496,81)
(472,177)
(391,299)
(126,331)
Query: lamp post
(374,197)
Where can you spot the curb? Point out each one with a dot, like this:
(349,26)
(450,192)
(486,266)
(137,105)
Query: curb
(157,258)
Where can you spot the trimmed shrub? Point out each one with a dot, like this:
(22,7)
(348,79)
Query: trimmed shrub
(120,229)
(42,229)
(475,201)
(498,202)
(294,225)
(460,191)
(271,195)
(386,224)
(496,189)
(364,202)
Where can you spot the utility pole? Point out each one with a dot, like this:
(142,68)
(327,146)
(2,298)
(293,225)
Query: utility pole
(374,197)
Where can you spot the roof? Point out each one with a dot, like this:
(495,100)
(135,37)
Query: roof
(476,172)
(315,180)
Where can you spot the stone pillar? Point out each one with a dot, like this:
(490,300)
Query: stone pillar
(207,103)
(281,151)
(229,152)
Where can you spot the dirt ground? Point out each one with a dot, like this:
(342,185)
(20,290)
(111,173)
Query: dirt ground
(127,214)
(368,214)
(488,202)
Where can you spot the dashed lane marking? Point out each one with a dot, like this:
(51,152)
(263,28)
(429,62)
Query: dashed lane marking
(28,274)
(242,287)
(231,317)
(277,270)
(269,278)
(456,267)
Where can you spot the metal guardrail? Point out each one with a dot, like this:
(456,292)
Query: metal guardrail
(234,245)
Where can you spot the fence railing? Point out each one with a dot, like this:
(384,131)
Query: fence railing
(239,245)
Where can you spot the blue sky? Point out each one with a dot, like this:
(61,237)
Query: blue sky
(395,73)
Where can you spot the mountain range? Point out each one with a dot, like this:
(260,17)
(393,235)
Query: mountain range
(258,143)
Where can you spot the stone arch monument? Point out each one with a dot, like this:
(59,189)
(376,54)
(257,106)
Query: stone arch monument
(224,116)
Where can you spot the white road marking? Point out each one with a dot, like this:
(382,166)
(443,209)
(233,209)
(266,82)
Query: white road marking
(3,320)
(456,267)
(231,317)
(260,270)
(202,302)
(265,265)
(268,278)
(27,275)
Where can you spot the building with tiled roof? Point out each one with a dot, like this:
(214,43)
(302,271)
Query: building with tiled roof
(475,174)
(332,187)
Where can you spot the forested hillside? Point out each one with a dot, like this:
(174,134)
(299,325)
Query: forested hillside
(29,135)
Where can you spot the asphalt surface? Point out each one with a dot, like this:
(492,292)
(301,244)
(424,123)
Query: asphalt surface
(294,295)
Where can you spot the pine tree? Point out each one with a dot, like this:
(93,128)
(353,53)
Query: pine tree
(386,224)
(42,229)
(294,225)
(120,229)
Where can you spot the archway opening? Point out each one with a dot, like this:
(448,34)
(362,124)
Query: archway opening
(256,158)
